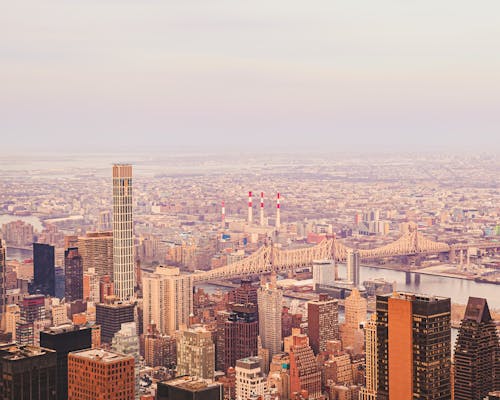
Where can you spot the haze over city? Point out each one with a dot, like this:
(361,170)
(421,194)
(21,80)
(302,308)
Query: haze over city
(219,200)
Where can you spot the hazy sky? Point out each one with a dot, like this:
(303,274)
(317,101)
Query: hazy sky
(327,75)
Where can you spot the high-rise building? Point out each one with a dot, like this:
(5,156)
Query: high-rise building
(159,350)
(355,308)
(28,373)
(110,316)
(168,299)
(62,340)
(369,392)
(353,267)
(73,273)
(123,239)
(323,322)
(270,304)
(414,347)
(477,353)
(44,274)
(32,309)
(126,342)
(99,374)
(189,388)
(196,353)
(244,294)
(236,336)
(3,281)
(96,249)
(91,290)
(304,371)
(250,380)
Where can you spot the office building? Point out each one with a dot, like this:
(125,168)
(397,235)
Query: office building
(304,371)
(355,308)
(91,287)
(159,350)
(270,304)
(32,309)
(236,336)
(414,347)
(189,388)
(168,299)
(369,392)
(126,342)
(323,322)
(44,274)
(99,374)
(28,373)
(196,353)
(123,238)
(110,316)
(96,249)
(73,273)
(244,294)
(62,340)
(353,267)
(477,353)
(250,380)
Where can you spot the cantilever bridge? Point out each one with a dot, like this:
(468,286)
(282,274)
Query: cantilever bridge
(269,258)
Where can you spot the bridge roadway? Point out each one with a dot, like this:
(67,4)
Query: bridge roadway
(270,258)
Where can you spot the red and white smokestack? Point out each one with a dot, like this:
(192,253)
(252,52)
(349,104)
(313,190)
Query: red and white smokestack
(250,209)
(223,215)
(278,220)
(261,208)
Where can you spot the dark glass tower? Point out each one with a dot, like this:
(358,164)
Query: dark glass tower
(477,353)
(73,273)
(44,275)
(414,347)
(62,340)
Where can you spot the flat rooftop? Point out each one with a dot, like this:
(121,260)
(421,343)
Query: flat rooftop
(101,355)
(191,383)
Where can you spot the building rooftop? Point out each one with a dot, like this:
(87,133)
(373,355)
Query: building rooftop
(13,352)
(101,355)
(249,362)
(190,383)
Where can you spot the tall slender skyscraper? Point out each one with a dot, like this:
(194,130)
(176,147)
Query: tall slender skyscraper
(123,241)
(369,392)
(353,267)
(477,353)
(270,304)
(414,347)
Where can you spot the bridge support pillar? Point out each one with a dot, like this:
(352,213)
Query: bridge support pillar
(408,277)
(417,278)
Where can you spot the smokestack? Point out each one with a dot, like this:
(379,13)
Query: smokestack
(223,215)
(250,216)
(278,220)
(261,208)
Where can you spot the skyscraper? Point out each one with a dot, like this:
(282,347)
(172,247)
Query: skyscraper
(304,371)
(355,308)
(236,336)
(73,273)
(168,300)
(250,380)
(369,392)
(196,353)
(126,342)
(477,353)
(99,374)
(353,267)
(123,240)
(44,274)
(110,316)
(96,249)
(270,304)
(414,347)
(28,373)
(323,322)
(62,340)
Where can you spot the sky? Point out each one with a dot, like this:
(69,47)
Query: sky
(249,75)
